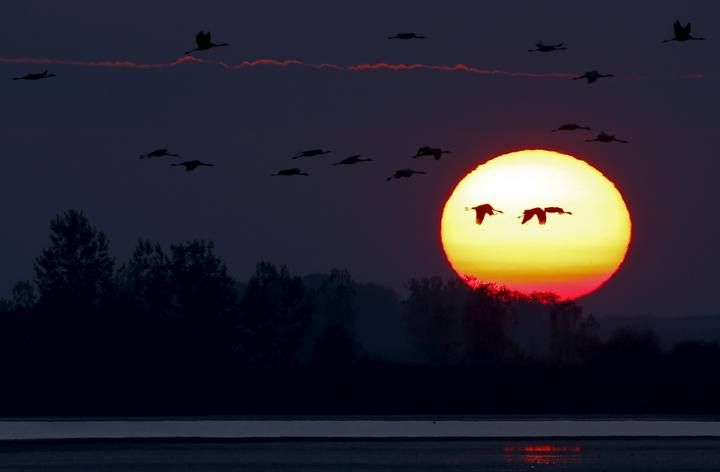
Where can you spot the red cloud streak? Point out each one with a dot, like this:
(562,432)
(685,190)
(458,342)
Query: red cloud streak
(126,64)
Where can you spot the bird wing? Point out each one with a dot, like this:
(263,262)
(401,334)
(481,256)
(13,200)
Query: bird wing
(542,217)
(479,215)
(688,27)
(527,215)
(678,28)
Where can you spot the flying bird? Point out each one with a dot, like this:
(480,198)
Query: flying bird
(483,210)
(557,210)
(192,165)
(542,47)
(310,153)
(404,174)
(406,36)
(682,33)
(158,153)
(290,172)
(533,212)
(603,137)
(356,159)
(570,127)
(43,75)
(592,76)
(430,151)
(204,42)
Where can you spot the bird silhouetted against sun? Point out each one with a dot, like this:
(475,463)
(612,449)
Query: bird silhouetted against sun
(571,236)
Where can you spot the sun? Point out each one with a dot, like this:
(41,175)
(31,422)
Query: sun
(571,255)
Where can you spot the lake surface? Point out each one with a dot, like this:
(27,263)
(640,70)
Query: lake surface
(677,455)
(355,428)
(360,444)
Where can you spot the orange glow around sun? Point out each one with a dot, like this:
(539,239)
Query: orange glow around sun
(571,255)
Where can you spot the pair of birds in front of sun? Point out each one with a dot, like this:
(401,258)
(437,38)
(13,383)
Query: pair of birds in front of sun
(481,211)
(424,151)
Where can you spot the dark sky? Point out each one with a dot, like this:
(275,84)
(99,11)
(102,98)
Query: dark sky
(73,141)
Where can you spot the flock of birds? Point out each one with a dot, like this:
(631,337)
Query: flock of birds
(204,42)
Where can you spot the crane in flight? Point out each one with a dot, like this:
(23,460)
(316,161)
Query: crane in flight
(404,174)
(570,127)
(355,159)
(436,153)
(192,165)
(592,76)
(290,172)
(43,75)
(310,153)
(557,210)
(204,42)
(407,36)
(158,153)
(682,33)
(542,47)
(529,214)
(481,211)
(604,137)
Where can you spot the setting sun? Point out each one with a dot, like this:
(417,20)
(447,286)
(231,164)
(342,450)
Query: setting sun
(570,255)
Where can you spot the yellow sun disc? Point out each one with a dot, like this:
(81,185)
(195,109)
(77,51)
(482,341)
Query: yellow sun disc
(571,255)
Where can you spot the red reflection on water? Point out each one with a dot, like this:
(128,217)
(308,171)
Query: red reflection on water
(542,454)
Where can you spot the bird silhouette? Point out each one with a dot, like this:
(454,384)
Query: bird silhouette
(542,47)
(682,33)
(404,174)
(158,153)
(406,36)
(192,165)
(603,137)
(290,172)
(532,212)
(557,210)
(310,153)
(570,127)
(430,151)
(481,211)
(43,75)
(592,76)
(356,159)
(204,43)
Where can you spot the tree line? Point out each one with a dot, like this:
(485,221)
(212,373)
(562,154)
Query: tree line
(170,331)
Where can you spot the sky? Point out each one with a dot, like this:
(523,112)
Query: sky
(74,141)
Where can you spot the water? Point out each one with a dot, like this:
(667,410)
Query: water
(355,428)
(677,455)
(360,444)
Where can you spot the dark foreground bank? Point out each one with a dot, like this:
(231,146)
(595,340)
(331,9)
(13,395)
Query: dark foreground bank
(377,455)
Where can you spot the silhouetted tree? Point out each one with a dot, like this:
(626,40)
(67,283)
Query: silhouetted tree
(334,319)
(335,348)
(432,312)
(334,299)
(632,350)
(566,331)
(485,316)
(144,281)
(204,297)
(275,314)
(76,271)
(74,278)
